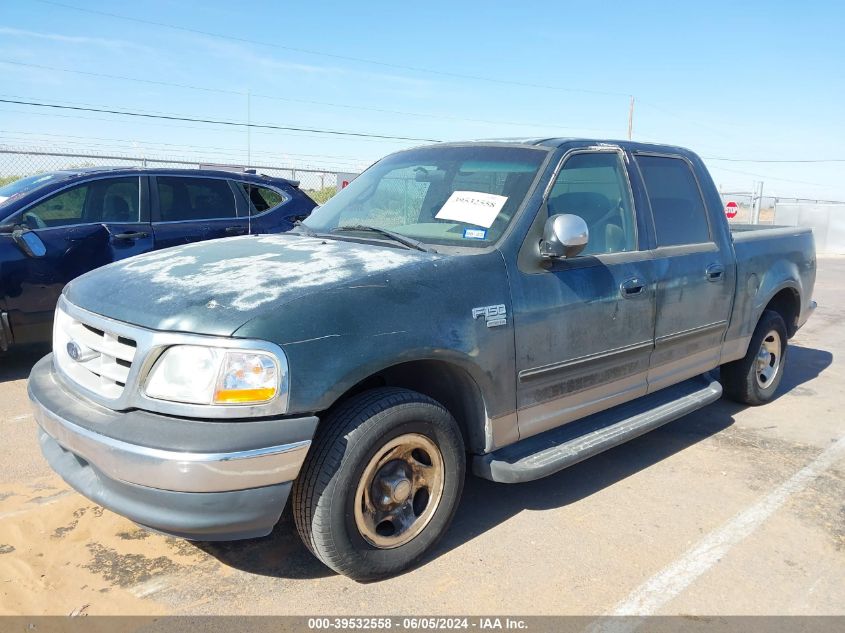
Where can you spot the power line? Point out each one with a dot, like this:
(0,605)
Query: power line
(157,144)
(768,177)
(237,93)
(363,60)
(196,127)
(266,126)
(766,160)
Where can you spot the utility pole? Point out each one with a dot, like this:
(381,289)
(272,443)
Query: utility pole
(248,128)
(756,201)
(631,119)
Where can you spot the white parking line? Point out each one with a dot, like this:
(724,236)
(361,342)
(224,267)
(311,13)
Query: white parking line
(667,584)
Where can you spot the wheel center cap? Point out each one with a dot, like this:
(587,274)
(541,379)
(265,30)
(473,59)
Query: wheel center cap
(401,490)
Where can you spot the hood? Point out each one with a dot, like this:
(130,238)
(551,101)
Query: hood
(215,287)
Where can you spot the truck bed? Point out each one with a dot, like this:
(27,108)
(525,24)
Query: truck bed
(766,254)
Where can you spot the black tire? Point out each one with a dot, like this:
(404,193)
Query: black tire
(740,378)
(347,443)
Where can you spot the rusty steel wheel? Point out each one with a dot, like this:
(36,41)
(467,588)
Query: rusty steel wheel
(399,491)
(381,482)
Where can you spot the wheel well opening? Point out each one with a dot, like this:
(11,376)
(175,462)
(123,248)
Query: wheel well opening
(450,385)
(788,305)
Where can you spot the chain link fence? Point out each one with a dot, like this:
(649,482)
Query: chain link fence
(17,163)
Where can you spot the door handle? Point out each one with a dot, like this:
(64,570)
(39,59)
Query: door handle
(715,272)
(131,235)
(632,288)
(234,230)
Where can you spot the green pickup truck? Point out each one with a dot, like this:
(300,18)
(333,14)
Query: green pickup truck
(510,308)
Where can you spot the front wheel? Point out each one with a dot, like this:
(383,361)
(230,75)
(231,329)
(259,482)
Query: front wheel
(754,378)
(380,484)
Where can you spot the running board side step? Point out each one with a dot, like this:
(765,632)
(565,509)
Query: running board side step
(547,453)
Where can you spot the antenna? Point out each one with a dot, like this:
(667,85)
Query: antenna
(249,160)
(249,208)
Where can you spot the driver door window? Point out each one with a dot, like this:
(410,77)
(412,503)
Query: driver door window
(64,209)
(105,200)
(593,185)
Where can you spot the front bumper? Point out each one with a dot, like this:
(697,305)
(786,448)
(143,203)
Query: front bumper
(196,479)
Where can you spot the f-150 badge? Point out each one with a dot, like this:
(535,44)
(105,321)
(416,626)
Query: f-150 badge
(494,315)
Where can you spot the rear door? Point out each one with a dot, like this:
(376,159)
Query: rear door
(693,272)
(190,209)
(82,227)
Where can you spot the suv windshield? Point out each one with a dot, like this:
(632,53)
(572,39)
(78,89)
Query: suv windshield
(450,195)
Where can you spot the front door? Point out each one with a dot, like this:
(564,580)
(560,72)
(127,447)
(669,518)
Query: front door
(695,279)
(584,326)
(82,228)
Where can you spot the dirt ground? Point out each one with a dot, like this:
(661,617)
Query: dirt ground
(730,510)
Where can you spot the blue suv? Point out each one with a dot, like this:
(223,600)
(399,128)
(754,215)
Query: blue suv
(59,225)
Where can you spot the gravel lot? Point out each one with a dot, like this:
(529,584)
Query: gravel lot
(731,510)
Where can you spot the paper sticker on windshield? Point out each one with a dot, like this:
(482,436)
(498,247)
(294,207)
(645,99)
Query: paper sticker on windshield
(475,234)
(472,207)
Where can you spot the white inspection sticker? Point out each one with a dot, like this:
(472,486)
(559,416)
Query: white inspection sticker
(472,207)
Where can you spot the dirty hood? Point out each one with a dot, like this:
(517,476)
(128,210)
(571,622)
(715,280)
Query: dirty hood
(216,287)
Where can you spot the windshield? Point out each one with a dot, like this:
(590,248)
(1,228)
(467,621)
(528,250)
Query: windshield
(455,196)
(24,185)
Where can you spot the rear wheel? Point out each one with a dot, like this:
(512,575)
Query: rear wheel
(380,484)
(754,378)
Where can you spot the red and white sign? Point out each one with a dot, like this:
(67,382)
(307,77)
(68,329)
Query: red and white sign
(344,178)
(731,209)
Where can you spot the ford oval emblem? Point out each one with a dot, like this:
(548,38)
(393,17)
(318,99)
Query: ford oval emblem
(79,353)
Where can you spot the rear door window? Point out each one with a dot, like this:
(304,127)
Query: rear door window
(680,216)
(183,199)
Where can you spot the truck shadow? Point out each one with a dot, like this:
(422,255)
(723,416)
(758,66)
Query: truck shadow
(18,361)
(486,504)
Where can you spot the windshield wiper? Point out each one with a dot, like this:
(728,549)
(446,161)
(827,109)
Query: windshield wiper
(397,237)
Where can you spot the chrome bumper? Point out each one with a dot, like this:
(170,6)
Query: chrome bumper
(155,467)
(166,470)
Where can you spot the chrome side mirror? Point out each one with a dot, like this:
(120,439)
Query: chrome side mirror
(563,236)
(29,243)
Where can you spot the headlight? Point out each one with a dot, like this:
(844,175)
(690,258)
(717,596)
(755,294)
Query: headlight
(208,375)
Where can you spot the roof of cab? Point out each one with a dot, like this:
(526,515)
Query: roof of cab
(556,142)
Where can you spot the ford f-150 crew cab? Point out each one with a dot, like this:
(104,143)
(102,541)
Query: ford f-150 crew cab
(512,307)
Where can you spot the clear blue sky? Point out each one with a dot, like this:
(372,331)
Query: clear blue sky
(752,80)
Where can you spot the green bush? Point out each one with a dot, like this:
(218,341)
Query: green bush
(5,180)
(320,196)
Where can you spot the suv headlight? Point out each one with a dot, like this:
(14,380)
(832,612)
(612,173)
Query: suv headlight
(195,374)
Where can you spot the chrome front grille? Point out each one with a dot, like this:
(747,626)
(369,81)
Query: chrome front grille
(113,359)
(103,359)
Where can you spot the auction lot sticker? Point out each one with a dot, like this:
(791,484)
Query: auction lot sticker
(472,207)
